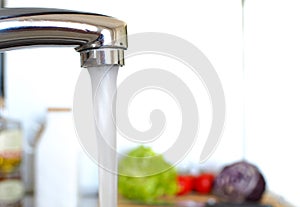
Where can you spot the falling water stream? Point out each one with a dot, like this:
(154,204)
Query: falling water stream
(103,81)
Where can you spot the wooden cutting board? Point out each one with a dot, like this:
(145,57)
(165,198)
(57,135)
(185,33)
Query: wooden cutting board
(268,199)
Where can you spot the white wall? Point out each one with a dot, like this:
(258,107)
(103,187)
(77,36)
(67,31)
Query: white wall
(272,72)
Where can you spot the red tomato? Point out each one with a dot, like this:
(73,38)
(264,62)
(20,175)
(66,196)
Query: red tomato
(204,183)
(185,184)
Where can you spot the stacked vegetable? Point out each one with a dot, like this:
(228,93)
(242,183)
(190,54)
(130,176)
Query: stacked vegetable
(240,182)
(202,183)
(237,183)
(145,176)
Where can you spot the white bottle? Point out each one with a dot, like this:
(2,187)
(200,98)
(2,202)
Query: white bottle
(56,162)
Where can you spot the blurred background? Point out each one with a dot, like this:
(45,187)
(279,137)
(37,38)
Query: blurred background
(262,99)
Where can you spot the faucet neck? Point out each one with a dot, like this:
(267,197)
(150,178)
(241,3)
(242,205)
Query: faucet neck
(23,27)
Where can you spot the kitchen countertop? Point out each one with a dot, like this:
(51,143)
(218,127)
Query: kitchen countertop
(268,199)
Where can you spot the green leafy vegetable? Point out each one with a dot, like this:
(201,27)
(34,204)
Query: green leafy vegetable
(145,176)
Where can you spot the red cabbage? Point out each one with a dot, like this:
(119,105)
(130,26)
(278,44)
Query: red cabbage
(240,182)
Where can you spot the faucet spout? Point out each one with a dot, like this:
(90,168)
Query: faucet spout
(100,39)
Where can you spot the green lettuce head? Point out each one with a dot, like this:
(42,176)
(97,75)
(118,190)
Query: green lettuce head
(145,176)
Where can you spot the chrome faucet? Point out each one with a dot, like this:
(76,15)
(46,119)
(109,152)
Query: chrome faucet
(100,39)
